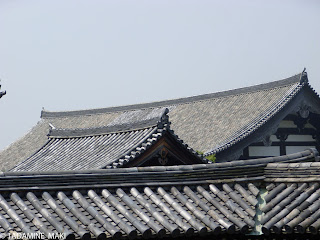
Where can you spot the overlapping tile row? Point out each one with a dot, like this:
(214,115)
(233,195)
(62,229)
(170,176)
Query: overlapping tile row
(292,207)
(296,172)
(132,212)
(148,202)
(293,199)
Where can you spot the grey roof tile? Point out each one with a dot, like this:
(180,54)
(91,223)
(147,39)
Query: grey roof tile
(111,146)
(165,201)
(208,123)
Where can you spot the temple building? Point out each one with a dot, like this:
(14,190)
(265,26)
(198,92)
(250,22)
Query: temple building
(266,120)
(241,164)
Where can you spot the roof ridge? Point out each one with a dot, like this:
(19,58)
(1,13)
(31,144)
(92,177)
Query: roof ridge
(287,81)
(123,127)
(290,158)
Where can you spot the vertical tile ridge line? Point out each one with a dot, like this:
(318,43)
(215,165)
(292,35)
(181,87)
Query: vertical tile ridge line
(30,215)
(5,224)
(84,235)
(254,124)
(242,226)
(247,196)
(290,213)
(48,216)
(288,210)
(188,230)
(302,226)
(115,233)
(66,144)
(143,229)
(195,211)
(130,231)
(26,162)
(78,214)
(173,229)
(286,192)
(13,215)
(229,227)
(233,206)
(187,216)
(159,230)
(235,197)
(302,215)
(270,195)
(273,215)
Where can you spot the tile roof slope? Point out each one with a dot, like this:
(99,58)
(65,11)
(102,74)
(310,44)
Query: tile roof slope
(146,202)
(206,122)
(111,146)
(25,146)
(209,123)
(293,199)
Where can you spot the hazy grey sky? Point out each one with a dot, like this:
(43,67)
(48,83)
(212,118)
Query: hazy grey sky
(80,54)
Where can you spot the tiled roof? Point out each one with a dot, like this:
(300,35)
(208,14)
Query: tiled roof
(293,200)
(149,202)
(211,123)
(112,146)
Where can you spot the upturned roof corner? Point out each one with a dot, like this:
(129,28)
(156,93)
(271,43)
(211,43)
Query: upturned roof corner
(304,77)
(2,93)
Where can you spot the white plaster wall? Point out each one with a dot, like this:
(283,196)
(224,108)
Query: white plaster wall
(294,149)
(264,151)
(300,138)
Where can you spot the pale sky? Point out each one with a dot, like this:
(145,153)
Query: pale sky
(82,54)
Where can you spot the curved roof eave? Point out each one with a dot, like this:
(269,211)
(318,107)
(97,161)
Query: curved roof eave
(254,125)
